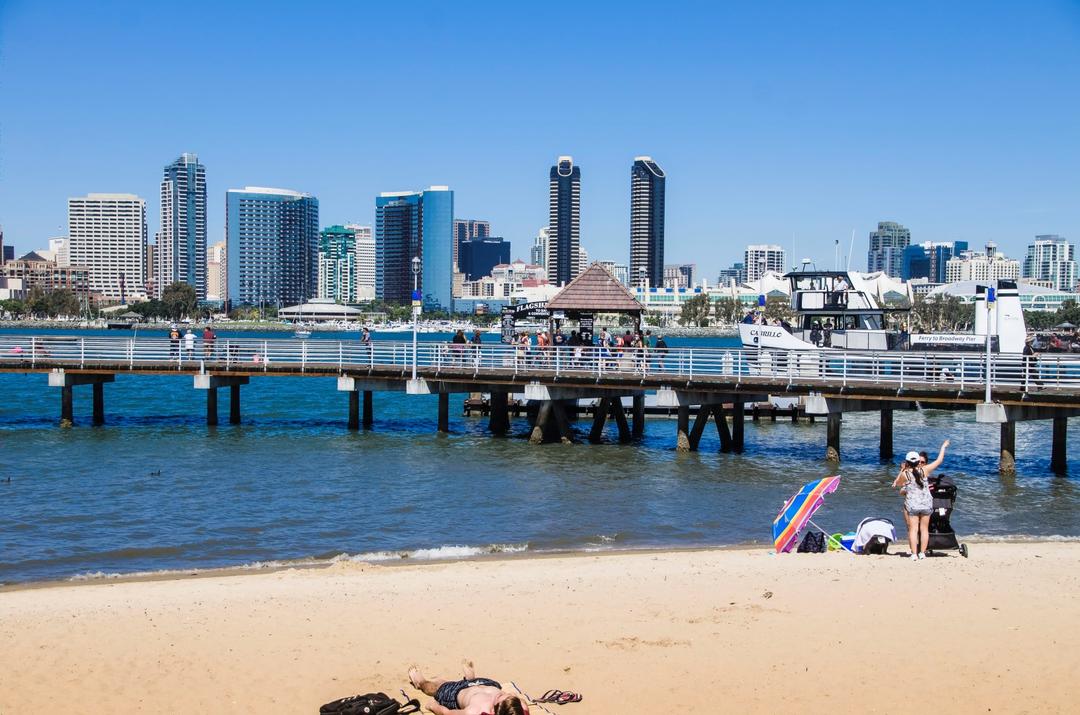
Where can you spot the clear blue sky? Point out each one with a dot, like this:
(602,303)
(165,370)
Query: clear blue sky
(958,119)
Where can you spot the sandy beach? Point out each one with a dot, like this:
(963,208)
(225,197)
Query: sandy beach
(696,631)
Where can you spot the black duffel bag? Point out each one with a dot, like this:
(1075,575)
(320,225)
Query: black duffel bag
(812,543)
(370,704)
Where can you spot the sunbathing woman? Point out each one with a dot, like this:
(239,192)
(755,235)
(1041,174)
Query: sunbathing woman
(914,482)
(468,696)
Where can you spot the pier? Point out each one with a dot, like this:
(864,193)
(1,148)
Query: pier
(711,384)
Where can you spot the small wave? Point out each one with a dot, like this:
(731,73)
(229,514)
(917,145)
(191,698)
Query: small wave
(439,553)
(165,573)
(1021,538)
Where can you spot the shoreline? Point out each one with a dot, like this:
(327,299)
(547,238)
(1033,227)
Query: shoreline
(314,564)
(720,630)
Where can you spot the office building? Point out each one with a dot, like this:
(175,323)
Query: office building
(582,261)
(736,274)
(412,224)
(619,271)
(271,246)
(564,222)
(216,267)
(37,272)
(365,261)
(887,246)
(337,265)
(538,252)
(981,266)
(4,249)
(59,248)
(761,258)
(479,255)
(927,260)
(467,229)
(107,237)
(647,219)
(1051,258)
(181,244)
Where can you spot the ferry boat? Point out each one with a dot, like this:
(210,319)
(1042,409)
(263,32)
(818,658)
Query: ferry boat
(846,304)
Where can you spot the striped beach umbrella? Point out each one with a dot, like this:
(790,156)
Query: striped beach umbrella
(798,510)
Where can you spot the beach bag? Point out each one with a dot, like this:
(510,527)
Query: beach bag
(812,543)
(369,704)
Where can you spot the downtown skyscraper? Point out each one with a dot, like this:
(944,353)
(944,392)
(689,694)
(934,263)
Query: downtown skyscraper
(564,221)
(180,253)
(887,246)
(647,221)
(415,224)
(107,236)
(272,246)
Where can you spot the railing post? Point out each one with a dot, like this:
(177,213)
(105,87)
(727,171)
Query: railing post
(266,355)
(843,380)
(82,352)
(303,356)
(557,351)
(340,356)
(691,363)
(131,354)
(33,351)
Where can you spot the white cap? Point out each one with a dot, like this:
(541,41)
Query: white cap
(912,457)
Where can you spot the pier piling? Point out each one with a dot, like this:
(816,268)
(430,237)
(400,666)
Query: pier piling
(1058,450)
(682,443)
(444,412)
(1007,466)
(832,449)
(234,404)
(639,416)
(99,403)
(885,451)
(369,420)
(499,421)
(67,409)
(738,422)
(354,410)
(211,408)
(722,430)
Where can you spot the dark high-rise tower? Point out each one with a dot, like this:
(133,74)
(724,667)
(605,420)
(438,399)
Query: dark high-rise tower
(564,223)
(647,221)
(181,248)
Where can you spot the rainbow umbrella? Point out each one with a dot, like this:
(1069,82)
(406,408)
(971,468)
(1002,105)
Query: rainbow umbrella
(798,510)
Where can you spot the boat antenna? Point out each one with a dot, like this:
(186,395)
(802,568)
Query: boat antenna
(836,254)
(851,249)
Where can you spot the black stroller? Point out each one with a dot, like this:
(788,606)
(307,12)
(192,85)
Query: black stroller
(942,536)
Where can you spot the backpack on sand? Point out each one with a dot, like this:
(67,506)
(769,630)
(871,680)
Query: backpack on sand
(370,704)
(812,543)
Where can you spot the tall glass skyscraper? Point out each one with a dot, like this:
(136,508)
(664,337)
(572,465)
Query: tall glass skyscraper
(181,248)
(272,246)
(647,220)
(564,221)
(420,224)
(468,229)
(887,246)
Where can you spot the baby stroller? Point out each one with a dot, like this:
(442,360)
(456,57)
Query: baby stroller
(942,536)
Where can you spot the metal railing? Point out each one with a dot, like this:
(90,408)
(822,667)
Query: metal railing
(962,371)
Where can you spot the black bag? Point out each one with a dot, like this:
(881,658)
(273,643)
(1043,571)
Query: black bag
(878,545)
(812,543)
(370,704)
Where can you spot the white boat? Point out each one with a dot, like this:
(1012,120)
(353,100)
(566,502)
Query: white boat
(838,310)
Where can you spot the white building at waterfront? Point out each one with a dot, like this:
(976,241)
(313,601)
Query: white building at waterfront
(761,258)
(981,266)
(215,271)
(107,236)
(1053,259)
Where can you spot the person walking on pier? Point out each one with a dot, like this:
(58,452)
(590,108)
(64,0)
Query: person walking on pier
(174,342)
(914,483)
(208,338)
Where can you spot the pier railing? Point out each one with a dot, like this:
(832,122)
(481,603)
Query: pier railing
(962,370)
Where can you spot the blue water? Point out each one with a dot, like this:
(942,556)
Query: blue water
(156,489)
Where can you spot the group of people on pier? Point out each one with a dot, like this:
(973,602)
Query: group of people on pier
(629,351)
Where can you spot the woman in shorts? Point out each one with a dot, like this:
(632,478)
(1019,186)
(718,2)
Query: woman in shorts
(914,483)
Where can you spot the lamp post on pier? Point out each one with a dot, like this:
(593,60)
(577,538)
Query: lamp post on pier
(415,309)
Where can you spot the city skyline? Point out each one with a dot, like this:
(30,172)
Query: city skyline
(767,148)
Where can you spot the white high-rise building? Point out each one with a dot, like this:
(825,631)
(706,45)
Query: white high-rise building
(215,271)
(59,248)
(181,244)
(761,258)
(981,267)
(582,261)
(539,251)
(107,235)
(1053,259)
(365,262)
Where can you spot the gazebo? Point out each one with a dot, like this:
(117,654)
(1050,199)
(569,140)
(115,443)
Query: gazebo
(594,291)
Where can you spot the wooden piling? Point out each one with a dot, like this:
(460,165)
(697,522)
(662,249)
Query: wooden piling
(599,419)
(234,404)
(722,430)
(499,420)
(67,408)
(885,448)
(369,419)
(211,408)
(99,403)
(444,412)
(738,422)
(639,416)
(832,449)
(354,410)
(1058,461)
(682,443)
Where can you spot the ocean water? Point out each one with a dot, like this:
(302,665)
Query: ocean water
(155,489)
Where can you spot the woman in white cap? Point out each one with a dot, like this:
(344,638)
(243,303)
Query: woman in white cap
(914,484)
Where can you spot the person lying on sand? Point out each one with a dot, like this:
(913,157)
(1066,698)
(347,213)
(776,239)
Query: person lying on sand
(468,696)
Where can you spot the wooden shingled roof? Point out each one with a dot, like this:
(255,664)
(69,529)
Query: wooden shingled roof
(595,291)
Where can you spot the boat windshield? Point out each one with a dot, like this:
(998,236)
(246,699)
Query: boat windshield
(841,321)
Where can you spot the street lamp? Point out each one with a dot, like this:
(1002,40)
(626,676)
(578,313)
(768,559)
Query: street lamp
(415,308)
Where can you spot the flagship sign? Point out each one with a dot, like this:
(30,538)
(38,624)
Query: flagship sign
(510,314)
